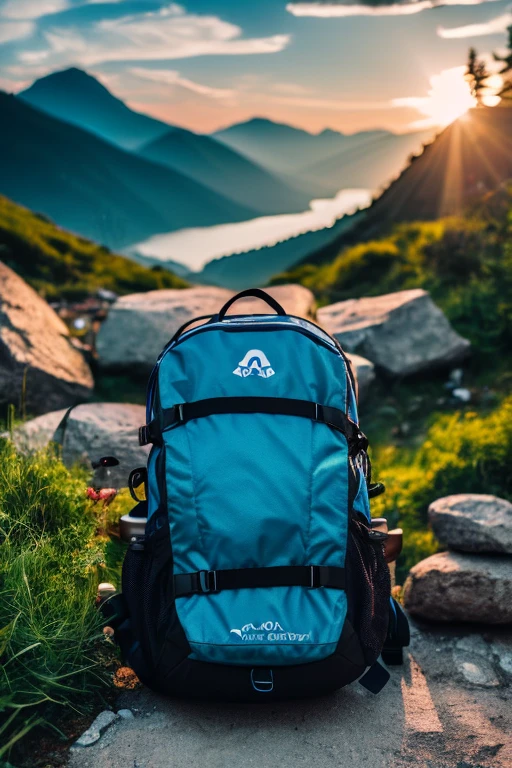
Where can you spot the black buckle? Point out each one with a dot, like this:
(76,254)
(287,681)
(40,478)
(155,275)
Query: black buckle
(318,576)
(144,436)
(362,441)
(179,417)
(314,577)
(319,412)
(358,443)
(208,581)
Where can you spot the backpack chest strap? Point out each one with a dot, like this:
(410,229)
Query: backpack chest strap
(183,412)
(311,576)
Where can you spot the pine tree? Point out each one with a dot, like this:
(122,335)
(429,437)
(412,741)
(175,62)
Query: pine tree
(476,75)
(506,70)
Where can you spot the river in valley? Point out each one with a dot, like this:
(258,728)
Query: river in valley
(196,246)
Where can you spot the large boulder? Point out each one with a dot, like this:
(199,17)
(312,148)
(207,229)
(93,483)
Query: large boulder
(92,430)
(40,370)
(473,522)
(451,586)
(138,326)
(402,333)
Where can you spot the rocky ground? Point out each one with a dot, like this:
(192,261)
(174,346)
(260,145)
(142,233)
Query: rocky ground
(448,707)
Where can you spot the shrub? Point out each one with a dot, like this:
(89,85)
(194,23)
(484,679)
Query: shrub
(464,452)
(458,254)
(362,269)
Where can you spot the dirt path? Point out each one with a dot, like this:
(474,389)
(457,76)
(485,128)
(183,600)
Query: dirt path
(449,707)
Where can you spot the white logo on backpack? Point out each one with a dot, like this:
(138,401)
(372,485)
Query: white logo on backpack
(271,631)
(255,363)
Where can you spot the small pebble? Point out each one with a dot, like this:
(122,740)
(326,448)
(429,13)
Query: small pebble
(93,733)
(477,675)
(126,714)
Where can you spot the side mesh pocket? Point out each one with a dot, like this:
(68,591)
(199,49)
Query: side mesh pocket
(146,577)
(368,587)
(132,580)
(128,634)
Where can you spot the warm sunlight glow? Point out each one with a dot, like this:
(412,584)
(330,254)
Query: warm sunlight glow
(493,86)
(448,98)
(491,100)
(495,82)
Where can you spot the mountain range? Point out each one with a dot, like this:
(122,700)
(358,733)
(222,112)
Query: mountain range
(325,162)
(78,98)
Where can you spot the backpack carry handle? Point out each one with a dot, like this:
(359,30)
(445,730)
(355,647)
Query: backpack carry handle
(186,325)
(256,293)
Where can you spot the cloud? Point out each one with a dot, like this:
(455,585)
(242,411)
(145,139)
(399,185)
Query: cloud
(336,105)
(172,77)
(169,33)
(294,89)
(32,9)
(172,33)
(12,86)
(33,57)
(36,9)
(339,10)
(329,10)
(492,27)
(449,97)
(15,30)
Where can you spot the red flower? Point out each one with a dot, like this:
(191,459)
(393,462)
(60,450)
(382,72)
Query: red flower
(107,495)
(92,493)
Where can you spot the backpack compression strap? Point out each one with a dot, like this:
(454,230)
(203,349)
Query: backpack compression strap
(325,414)
(311,576)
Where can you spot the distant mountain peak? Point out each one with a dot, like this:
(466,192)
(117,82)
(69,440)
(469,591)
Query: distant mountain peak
(262,124)
(72,76)
(259,121)
(330,132)
(78,97)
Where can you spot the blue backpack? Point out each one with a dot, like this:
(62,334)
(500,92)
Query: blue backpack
(258,575)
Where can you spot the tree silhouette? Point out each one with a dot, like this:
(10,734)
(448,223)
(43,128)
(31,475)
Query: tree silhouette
(506,71)
(476,75)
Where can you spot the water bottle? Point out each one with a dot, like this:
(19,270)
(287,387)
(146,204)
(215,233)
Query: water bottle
(132,526)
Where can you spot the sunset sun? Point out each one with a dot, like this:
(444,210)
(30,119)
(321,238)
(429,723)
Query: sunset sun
(448,98)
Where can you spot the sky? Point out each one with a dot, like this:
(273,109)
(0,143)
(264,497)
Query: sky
(348,65)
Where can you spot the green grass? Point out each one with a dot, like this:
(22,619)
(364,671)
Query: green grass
(457,451)
(54,550)
(59,264)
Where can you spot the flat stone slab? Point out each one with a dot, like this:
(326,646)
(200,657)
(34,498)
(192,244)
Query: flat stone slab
(402,333)
(473,522)
(452,587)
(138,326)
(93,430)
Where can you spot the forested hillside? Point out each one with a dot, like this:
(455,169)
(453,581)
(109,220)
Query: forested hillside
(60,264)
